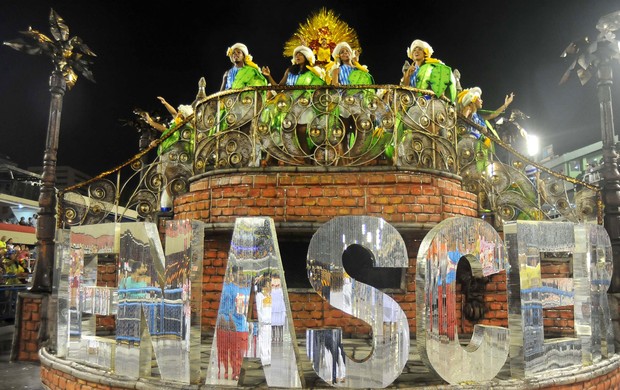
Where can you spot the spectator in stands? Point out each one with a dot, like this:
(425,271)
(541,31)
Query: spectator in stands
(9,244)
(22,221)
(14,273)
(3,242)
(592,176)
(30,221)
(23,256)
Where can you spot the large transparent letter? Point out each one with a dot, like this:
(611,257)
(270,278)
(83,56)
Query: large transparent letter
(159,303)
(380,311)
(81,300)
(254,263)
(529,294)
(451,241)
(60,290)
(167,291)
(593,267)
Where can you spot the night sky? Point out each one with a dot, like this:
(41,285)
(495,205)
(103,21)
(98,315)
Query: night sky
(150,49)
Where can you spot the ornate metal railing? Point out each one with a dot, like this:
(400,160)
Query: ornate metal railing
(328,126)
(325,126)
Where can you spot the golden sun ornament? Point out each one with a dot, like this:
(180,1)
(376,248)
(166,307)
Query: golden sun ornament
(322,32)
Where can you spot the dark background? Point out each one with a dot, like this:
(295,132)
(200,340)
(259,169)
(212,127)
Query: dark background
(150,49)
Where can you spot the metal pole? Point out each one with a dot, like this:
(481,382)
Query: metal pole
(46,225)
(610,175)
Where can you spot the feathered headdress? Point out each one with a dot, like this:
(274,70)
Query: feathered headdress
(324,24)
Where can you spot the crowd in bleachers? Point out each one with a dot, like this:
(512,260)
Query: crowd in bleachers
(16,262)
(30,221)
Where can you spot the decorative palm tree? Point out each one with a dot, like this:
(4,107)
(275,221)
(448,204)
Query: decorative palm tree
(597,58)
(68,54)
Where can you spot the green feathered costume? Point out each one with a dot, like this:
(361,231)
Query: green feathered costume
(274,116)
(247,76)
(437,77)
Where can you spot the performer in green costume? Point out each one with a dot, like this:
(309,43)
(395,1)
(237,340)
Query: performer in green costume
(177,126)
(346,70)
(302,72)
(429,73)
(425,73)
(244,72)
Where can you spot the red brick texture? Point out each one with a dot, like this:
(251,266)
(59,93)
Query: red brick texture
(401,197)
(318,196)
(30,322)
(56,379)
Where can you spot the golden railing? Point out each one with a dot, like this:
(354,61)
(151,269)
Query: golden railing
(325,126)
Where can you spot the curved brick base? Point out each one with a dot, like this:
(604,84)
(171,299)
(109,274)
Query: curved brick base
(309,194)
(412,200)
(59,374)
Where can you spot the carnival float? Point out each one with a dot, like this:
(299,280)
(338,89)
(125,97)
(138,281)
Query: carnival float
(261,174)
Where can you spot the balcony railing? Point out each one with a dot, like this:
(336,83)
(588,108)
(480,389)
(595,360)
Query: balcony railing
(322,126)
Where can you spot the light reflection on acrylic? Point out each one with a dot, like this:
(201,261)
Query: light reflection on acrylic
(156,291)
(87,243)
(451,241)
(160,301)
(594,325)
(328,277)
(529,293)
(157,302)
(60,292)
(254,264)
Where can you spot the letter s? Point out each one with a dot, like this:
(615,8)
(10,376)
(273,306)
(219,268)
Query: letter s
(329,279)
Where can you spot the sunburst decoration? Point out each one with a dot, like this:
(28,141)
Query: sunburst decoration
(323,24)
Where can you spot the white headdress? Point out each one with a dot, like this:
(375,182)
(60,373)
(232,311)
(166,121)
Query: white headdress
(307,52)
(239,46)
(469,95)
(339,47)
(185,110)
(428,50)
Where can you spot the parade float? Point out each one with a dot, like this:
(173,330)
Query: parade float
(328,235)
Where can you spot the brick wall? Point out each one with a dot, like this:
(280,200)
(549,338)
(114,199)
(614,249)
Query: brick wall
(107,276)
(29,310)
(65,377)
(558,321)
(400,197)
(318,196)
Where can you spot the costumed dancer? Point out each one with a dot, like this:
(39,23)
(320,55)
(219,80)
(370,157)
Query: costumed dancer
(302,72)
(429,73)
(244,73)
(346,70)
(184,113)
(470,105)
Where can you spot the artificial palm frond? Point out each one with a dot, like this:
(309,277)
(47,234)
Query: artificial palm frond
(68,54)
